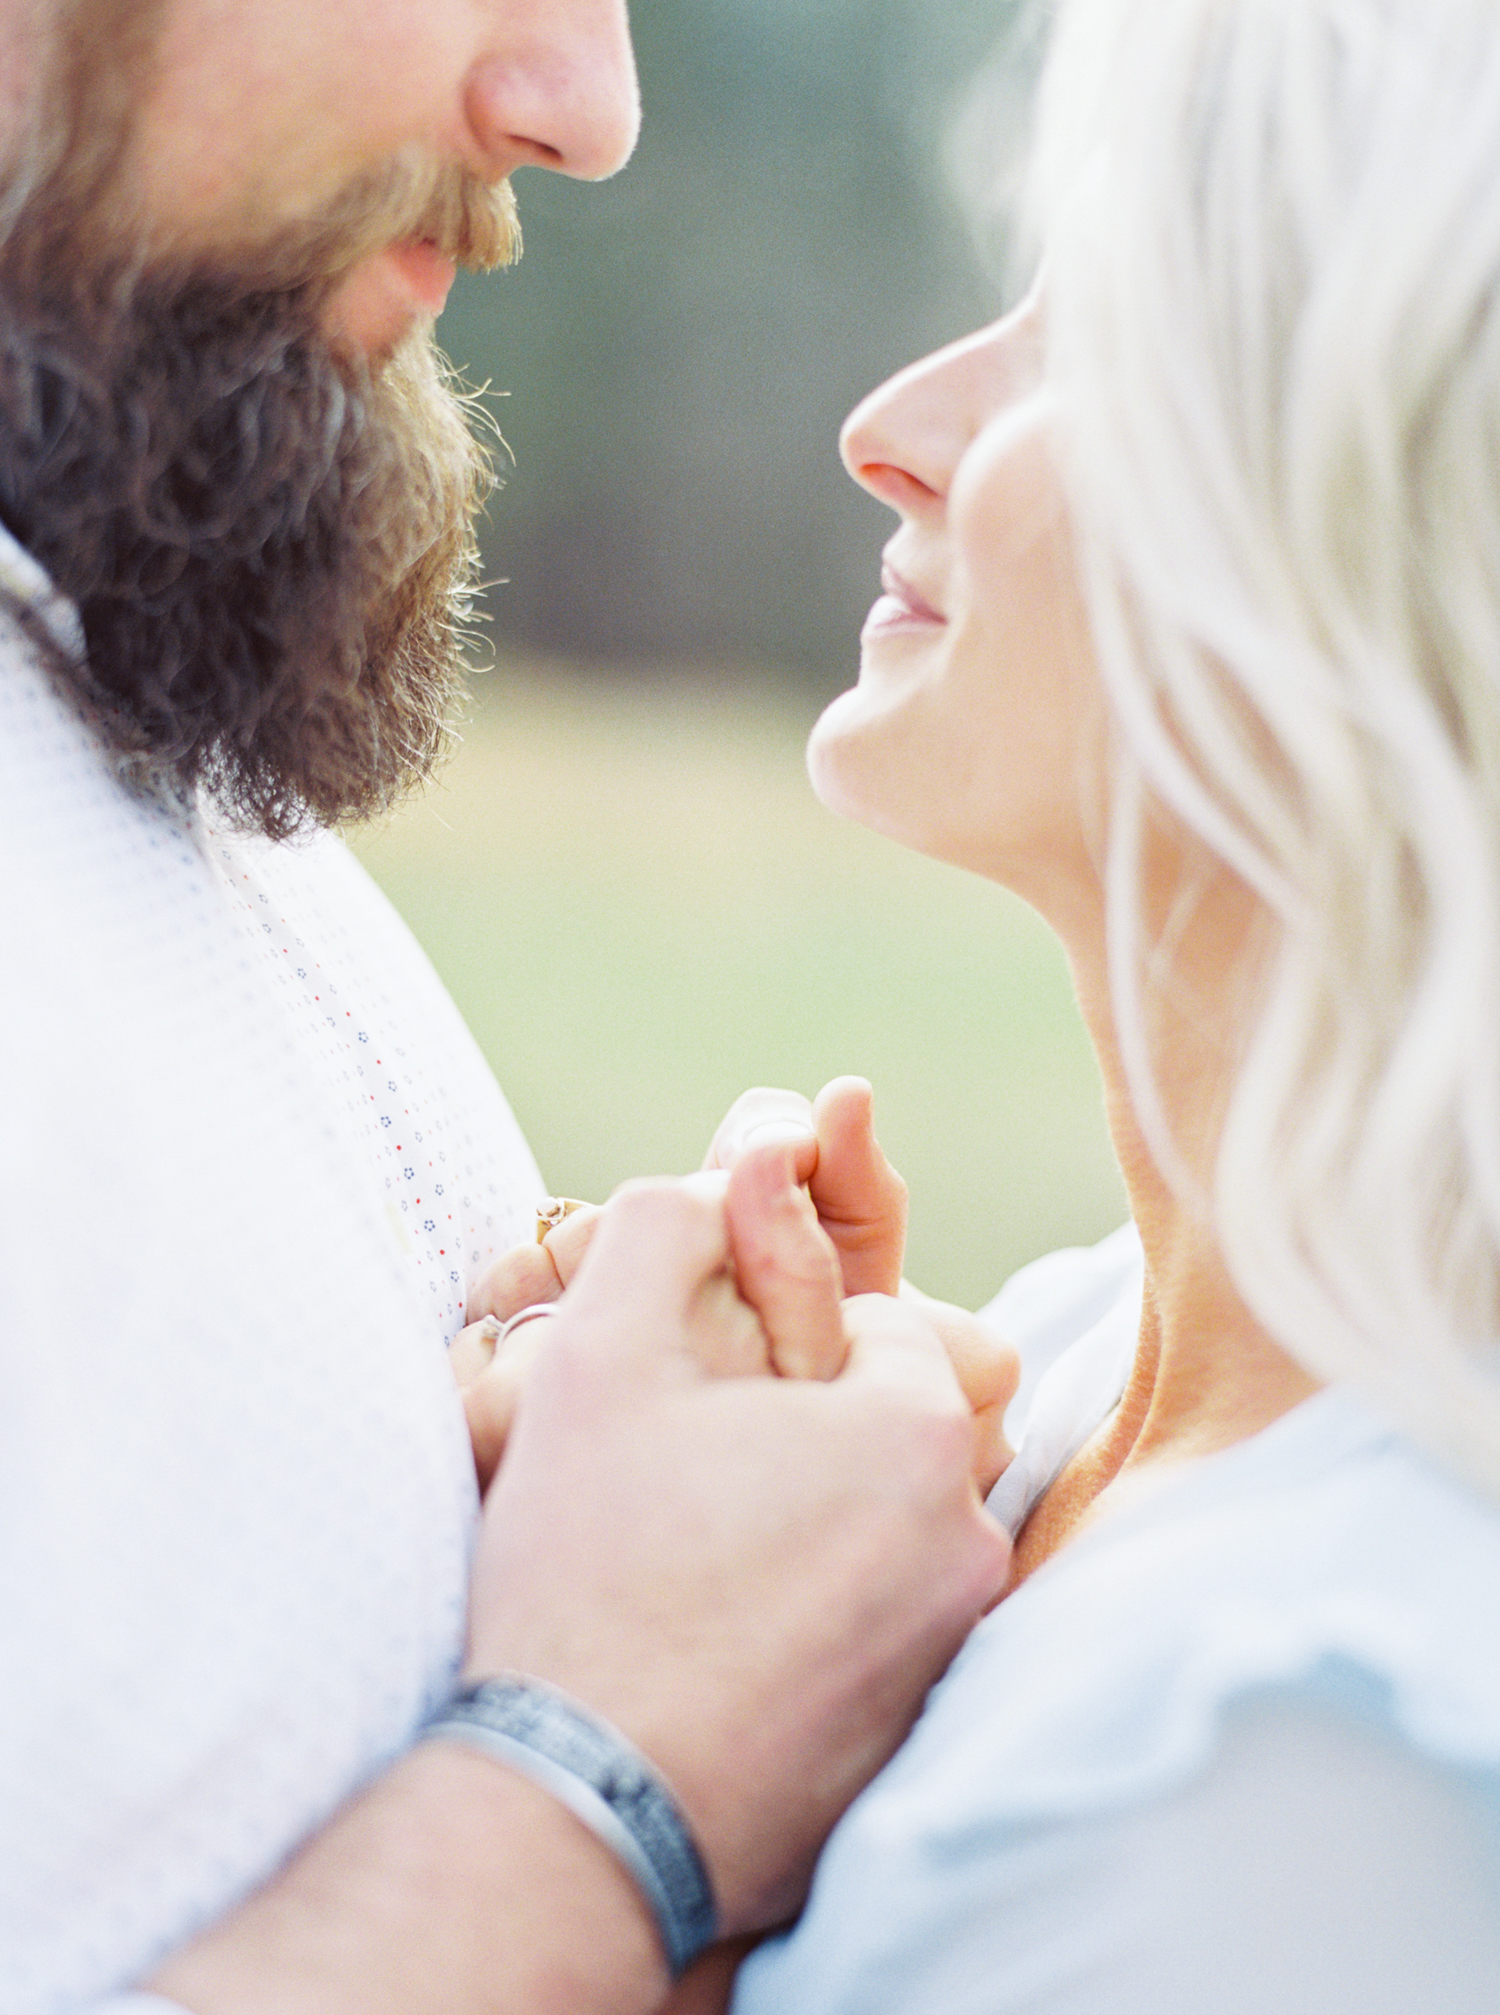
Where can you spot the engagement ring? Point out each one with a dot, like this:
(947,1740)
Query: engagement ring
(551,1211)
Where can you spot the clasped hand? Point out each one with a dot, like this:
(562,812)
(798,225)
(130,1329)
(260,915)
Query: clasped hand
(739,1511)
(814,1220)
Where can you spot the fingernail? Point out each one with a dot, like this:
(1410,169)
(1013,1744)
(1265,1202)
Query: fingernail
(769,1131)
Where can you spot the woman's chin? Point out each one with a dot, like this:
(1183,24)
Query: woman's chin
(855,764)
(832,753)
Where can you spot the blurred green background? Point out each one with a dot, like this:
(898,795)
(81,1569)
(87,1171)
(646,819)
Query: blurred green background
(623,876)
(642,910)
(676,350)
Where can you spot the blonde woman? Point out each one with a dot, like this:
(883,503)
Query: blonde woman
(1191,636)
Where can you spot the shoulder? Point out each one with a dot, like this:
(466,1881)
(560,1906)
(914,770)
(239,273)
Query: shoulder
(1324,1568)
(1314,1863)
(1326,1554)
(85,861)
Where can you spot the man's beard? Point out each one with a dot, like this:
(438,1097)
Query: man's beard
(269,543)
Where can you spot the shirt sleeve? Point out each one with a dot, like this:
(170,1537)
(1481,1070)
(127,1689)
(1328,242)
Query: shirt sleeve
(1315,1865)
(1318,1864)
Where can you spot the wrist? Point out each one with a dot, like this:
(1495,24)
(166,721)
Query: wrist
(449,1888)
(666,1727)
(530,1861)
(590,1767)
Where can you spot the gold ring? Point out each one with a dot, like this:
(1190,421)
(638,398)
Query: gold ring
(551,1211)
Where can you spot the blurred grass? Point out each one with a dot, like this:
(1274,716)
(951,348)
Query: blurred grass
(641,910)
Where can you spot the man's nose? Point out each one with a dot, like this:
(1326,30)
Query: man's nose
(558,89)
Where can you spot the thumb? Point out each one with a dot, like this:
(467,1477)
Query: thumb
(762,1118)
(784,1264)
(860,1199)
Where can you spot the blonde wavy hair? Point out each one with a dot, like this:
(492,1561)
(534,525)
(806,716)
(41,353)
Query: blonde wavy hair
(1272,231)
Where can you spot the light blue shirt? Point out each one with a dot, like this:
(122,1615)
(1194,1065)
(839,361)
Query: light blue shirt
(1236,1747)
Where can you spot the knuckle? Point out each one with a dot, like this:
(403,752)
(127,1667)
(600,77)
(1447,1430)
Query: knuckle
(565,1242)
(970,1574)
(520,1276)
(567,1372)
(490,1403)
(658,1202)
(815,1275)
(936,1434)
(990,1563)
(794,1255)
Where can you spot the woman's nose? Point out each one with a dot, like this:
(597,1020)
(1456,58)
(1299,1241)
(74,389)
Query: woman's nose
(559,91)
(905,441)
(894,443)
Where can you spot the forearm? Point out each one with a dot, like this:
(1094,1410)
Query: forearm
(708,1987)
(451,1887)
(702,1562)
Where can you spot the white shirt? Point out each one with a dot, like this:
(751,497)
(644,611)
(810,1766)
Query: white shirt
(1235,1748)
(251,1163)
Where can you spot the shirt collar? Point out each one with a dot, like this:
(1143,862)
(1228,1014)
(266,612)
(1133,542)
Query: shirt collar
(26,581)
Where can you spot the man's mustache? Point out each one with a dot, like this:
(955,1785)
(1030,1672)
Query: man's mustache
(473,221)
(413,198)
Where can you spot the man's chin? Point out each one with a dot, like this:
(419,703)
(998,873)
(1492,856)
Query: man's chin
(240,460)
(286,631)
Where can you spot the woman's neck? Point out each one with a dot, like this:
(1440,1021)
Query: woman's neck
(1206,1374)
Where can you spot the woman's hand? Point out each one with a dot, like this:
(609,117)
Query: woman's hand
(861,1204)
(490,1372)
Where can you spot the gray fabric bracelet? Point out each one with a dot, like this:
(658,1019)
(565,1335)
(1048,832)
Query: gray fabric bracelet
(606,1782)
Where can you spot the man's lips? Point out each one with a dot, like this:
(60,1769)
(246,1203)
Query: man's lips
(426,272)
(900,607)
(387,293)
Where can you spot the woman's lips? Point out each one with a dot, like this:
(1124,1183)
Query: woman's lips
(900,607)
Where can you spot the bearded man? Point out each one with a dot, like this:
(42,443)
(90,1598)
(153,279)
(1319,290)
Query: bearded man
(254,1167)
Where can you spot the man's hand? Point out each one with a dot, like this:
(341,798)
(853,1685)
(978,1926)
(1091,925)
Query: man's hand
(786,1267)
(771,1243)
(757,1578)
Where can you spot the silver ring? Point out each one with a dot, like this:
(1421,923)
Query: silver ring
(536,1310)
